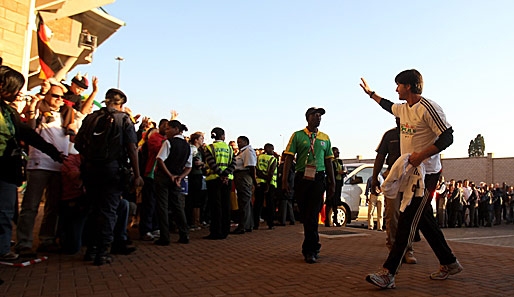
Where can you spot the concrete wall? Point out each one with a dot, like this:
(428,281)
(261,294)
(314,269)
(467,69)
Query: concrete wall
(477,169)
(13,22)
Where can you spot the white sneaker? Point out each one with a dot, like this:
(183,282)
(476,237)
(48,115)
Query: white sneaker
(148,237)
(382,279)
(447,270)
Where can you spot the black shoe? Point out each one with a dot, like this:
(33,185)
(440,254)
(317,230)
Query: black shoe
(183,239)
(309,258)
(292,223)
(255,227)
(90,253)
(280,224)
(102,259)
(213,237)
(238,231)
(161,242)
(249,230)
(122,249)
(271,227)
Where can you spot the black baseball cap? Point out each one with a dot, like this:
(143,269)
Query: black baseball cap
(314,110)
(113,92)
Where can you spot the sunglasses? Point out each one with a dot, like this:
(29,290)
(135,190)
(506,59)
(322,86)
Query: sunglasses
(58,96)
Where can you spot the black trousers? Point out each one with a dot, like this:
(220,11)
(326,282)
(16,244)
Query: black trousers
(473,215)
(219,204)
(331,203)
(260,196)
(168,196)
(103,188)
(309,196)
(146,221)
(419,214)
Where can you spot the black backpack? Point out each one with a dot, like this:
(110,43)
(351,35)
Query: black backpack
(99,139)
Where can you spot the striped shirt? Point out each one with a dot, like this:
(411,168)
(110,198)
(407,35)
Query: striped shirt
(420,126)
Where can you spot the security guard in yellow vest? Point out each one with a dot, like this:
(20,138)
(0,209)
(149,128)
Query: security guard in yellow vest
(220,160)
(266,185)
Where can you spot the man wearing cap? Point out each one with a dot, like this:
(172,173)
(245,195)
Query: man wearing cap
(74,96)
(313,158)
(103,178)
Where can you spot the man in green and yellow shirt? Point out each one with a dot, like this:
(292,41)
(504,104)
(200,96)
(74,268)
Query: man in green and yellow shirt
(313,163)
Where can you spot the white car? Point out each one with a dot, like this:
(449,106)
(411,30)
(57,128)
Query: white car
(353,201)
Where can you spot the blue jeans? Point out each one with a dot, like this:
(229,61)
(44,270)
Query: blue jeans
(8,201)
(37,181)
(120,228)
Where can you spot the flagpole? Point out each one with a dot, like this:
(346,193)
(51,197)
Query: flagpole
(119,59)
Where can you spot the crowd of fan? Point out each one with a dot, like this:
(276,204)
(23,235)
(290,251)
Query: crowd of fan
(59,129)
(463,203)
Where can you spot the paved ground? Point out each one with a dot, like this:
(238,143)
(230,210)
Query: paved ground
(269,263)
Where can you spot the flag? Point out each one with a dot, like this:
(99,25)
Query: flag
(49,61)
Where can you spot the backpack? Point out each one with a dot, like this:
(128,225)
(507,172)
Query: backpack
(99,139)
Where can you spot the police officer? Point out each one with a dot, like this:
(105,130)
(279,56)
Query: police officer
(103,178)
(314,157)
(220,159)
(266,184)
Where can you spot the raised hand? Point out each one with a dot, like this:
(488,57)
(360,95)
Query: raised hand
(95,83)
(174,115)
(365,87)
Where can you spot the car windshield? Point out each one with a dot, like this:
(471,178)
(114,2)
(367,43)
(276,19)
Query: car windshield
(350,169)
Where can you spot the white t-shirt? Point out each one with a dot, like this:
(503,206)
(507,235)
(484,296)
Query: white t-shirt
(53,133)
(164,152)
(420,126)
(466,191)
(246,157)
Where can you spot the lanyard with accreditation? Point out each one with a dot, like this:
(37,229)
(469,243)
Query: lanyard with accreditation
(310,166)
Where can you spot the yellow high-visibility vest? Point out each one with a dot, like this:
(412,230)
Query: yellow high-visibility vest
(223,155)
(264,162)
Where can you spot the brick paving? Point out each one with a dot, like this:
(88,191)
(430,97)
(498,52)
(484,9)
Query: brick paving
(266,263)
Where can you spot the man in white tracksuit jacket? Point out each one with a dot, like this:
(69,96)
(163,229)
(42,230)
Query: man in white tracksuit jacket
(424,133)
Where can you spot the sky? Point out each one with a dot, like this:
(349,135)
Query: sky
(254,67)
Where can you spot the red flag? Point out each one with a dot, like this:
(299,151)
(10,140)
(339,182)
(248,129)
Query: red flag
(49,61)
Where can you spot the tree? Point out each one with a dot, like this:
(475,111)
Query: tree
(476,147)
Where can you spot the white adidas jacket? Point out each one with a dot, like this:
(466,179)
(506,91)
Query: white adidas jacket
(404,178)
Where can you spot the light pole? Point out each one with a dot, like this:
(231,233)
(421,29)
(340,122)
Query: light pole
(119,68)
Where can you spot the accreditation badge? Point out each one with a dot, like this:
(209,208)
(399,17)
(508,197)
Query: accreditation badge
(310,172)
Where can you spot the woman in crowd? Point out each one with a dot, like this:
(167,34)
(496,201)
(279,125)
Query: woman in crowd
(196,196)
(509,202)
(220,159)
(441,203)
(486,206)
(473,206)
(455,207)
(12,131)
